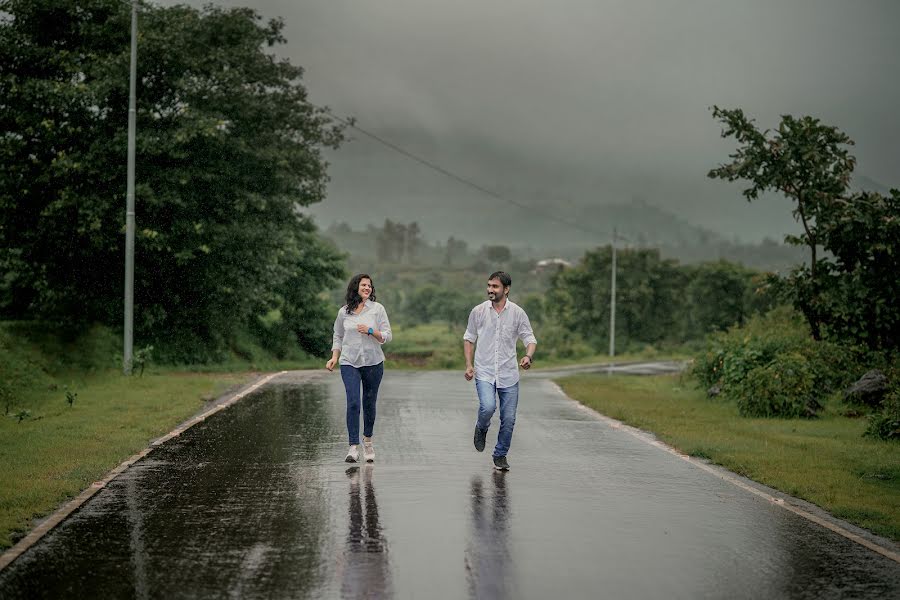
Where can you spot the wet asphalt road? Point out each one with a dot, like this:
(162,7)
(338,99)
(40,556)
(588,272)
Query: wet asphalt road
(256,502)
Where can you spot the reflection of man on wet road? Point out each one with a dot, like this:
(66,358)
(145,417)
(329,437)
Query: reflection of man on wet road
(495,325)
(487,559)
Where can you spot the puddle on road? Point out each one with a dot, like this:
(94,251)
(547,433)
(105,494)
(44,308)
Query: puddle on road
(235,506)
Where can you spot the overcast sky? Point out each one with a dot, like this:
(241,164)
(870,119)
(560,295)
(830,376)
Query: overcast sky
(583,101)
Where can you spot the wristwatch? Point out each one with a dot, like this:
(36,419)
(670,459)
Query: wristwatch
(371,331)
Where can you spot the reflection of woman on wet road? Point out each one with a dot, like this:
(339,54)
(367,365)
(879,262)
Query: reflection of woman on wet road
(366,571)
(360,329)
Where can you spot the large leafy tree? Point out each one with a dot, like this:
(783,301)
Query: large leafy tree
(848,293)
(806,161)
(228,152)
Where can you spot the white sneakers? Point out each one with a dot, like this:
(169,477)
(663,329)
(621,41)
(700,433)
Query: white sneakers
(368,452)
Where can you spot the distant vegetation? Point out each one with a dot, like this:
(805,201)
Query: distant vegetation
(661,304)
(641,223)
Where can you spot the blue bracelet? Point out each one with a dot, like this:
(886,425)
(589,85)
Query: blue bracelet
(371,331)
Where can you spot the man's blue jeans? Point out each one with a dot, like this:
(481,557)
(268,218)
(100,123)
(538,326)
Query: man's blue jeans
(488,392)
(370,379)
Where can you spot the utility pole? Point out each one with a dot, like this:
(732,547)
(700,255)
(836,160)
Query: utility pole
(127,357)
(612,301)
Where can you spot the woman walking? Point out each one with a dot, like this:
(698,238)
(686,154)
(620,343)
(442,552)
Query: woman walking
(360,329)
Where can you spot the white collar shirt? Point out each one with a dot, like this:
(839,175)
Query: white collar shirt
(361,349)
(494,335)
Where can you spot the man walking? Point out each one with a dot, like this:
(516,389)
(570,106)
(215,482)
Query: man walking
(495,325)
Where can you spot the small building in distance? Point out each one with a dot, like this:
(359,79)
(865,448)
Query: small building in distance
(551,265)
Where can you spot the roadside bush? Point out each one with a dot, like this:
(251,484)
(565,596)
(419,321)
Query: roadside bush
(836,366)
(555,341)
(773,367)
(731,355)
(885,425)
(785,387)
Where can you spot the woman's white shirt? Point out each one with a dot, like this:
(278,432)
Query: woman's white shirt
(361,349)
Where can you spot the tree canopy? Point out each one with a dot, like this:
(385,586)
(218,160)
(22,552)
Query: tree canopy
(228,153)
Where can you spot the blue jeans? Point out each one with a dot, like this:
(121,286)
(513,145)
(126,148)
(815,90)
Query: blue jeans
(488,392)
(370,378)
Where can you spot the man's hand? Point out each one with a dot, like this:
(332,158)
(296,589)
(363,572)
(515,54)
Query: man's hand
(470,373)
(525,363)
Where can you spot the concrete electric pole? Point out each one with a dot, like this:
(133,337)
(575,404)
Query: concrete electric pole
(612,301)
(129,200)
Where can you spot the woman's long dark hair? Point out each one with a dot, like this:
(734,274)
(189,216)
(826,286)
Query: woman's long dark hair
(353,298)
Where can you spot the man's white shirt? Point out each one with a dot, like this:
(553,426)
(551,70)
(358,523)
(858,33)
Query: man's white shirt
(494,335)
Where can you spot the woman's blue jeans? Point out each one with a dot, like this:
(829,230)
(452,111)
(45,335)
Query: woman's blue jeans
(370,379)
(488,392)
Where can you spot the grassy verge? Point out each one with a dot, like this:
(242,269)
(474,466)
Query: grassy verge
(825,461)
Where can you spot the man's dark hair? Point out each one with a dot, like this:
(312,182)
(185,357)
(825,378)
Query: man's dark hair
(503,276)
(353,298)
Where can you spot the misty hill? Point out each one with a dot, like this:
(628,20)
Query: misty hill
(639,222)
(644,224)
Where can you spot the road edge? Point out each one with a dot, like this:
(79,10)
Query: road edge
(61,513)
(798,506)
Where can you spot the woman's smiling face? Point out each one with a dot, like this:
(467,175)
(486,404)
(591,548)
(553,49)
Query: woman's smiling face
(365,288)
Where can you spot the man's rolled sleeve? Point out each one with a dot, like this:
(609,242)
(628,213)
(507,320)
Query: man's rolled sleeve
(526,334)
(471,334)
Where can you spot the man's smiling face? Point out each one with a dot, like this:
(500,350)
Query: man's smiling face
(495,290)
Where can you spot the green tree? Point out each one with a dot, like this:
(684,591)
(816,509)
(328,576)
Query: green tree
(455,250)
(860,282)
(718,296)
(497,254)
(430,302)
(804,160)
(228,153)
(398,242)
(649,297)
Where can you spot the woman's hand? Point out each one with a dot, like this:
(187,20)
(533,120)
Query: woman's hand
(363,329)
(330,364)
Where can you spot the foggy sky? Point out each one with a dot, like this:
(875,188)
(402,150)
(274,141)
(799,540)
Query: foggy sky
(582,101)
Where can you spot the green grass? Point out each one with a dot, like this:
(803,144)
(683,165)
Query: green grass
(825,461)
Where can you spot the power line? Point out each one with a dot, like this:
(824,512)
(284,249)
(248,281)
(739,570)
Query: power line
(447,173)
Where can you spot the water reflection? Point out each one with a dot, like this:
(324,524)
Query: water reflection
(366,569)
(233,506)
(488,556)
